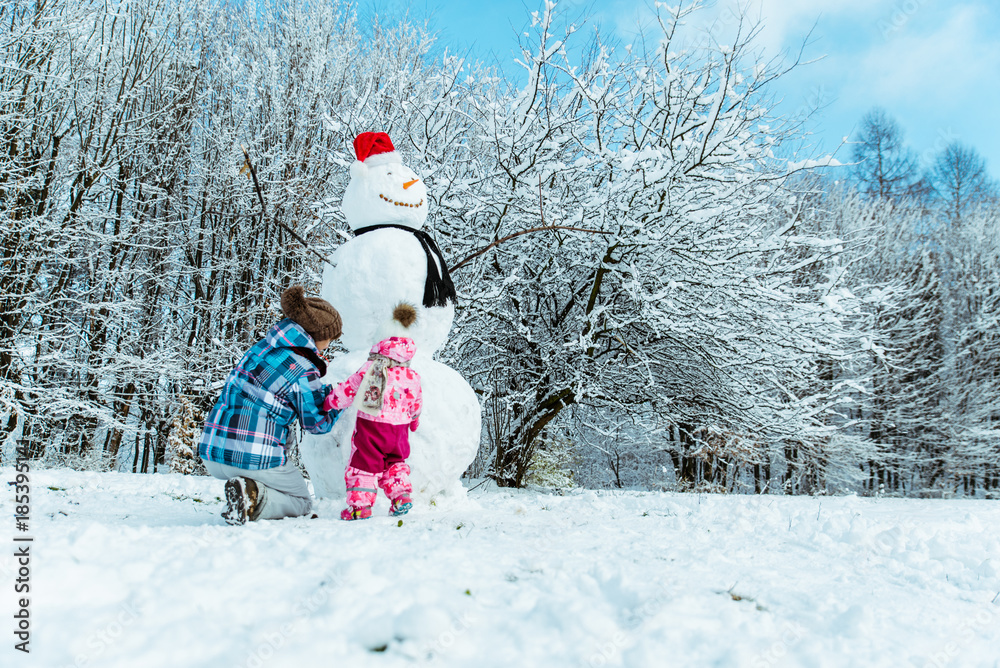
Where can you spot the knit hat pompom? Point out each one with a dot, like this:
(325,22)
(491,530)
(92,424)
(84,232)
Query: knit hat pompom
(320,320)
(293,300)
(404,314)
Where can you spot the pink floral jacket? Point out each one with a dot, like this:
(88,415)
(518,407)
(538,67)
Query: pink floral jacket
(402,398)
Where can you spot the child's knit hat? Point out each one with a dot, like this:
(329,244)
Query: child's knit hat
(320,320)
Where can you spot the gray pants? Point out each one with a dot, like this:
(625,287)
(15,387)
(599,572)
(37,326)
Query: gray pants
(283,490)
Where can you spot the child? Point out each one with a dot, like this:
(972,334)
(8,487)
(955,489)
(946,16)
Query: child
(276,382)
(389,400)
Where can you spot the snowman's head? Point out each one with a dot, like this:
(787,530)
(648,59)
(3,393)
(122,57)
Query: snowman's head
(382,189)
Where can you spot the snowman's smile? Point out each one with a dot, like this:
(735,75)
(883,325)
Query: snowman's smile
(394,202)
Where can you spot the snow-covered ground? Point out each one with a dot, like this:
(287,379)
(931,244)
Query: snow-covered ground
(140,570)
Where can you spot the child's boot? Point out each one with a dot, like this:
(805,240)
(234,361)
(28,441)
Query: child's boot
(395,482)
(401,505)
(360,494)
(242,501)
(356,513)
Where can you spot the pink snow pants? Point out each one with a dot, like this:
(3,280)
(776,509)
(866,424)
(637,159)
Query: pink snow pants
(379,451)
(361,485)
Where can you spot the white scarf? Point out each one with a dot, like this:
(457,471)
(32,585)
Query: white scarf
(370,394)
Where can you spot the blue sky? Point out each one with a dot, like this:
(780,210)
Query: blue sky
(934,65)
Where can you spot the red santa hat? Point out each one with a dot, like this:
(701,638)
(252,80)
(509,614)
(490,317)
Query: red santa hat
(375,148)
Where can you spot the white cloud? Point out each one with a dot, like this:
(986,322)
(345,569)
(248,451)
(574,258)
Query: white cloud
(950,66)
(783,24)
(787,22)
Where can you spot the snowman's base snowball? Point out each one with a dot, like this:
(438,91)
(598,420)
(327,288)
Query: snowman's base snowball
(440,450)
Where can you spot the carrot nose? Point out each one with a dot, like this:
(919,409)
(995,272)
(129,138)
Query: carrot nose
(409,183)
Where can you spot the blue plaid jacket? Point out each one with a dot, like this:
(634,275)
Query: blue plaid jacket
(271,386)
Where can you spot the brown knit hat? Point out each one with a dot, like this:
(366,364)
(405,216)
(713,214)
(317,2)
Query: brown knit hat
(313,314)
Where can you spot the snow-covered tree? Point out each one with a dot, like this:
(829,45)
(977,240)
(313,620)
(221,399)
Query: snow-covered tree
(653,282)
(961,181)
(884,166)
(970,379)
(182,444)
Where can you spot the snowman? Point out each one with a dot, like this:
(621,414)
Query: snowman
(392,260)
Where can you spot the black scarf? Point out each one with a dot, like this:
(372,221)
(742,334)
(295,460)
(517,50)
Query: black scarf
(438,289)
